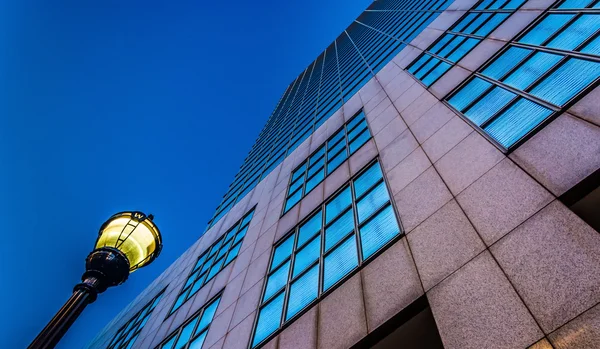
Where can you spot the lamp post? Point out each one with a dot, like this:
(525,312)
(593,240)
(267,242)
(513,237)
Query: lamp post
(126,242)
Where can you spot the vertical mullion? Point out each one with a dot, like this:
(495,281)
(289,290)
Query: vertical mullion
(288,285)
(356,223)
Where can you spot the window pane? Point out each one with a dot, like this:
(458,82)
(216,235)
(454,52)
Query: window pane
(197,343)
(303,291)
(463,49)
(316,167)
(451,46)
(546,28)
(268,319)
(535,66)
(336,149)
(308,255)
(575,4)
(517,121)
(359,141)
(233,253)
(215,269)
(379,231)
(495,100)
(208,315)
(375,199)
(358,129)
(436,73)
(593,47)
(314,181)
(340,262)
(506,62)
(337,137)
(439,45)
(419,63)
(335,162)
(283,251)
(337,205)
(477,22)
(358,119)
(294,186)
(240,235)
(277,280)
(185,335)
(299,172)
(179,301)
(492,24)
(293,200)
(310,228)
(316,156)
(198,284)
(468,93)
(574,35)
(572,77)
(169,344)
(339,229)
(367,179)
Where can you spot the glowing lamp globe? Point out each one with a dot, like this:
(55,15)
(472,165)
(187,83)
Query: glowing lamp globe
(126,242)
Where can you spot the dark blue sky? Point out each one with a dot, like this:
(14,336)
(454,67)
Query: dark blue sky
(118,105)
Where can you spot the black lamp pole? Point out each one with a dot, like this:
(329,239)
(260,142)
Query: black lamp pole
(126,242)
(105,267)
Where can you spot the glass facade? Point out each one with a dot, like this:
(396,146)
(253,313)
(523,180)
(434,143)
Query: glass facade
(126,336)
(214,259)
(315,256)
(535,76)
(350,137)
(192,333)
(461,38)
(373,39)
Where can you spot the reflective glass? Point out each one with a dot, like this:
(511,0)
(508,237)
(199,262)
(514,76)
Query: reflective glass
(543,30)
(374,200)
(532,70)
(307,255)
(337,205)
(519,119)
(495,100)
(576,33)
(470,92)
(367,179)
(340,262)
(310,228)
(339,229)
(282,252)
(572,77)
(508,60)
(277,280)
(303,291)
(268,319)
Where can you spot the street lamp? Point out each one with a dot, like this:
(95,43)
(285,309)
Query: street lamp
(126,242)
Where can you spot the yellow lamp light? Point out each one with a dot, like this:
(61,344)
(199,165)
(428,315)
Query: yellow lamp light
(134,234)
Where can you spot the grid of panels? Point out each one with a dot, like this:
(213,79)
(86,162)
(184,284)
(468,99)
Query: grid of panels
(127,334)
(377,35)
(536,76)
(192,333)
(345,142)
(316,256)
(461,38)
(214,259)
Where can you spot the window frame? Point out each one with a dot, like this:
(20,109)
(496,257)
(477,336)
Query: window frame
(524,94)
(325,148)
(134,322)
(207,257)
(355,233)
(197,316)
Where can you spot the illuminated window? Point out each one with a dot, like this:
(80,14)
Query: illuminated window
(214,259)
(127,334)
(326,159)
(192,333)
(320,252)
(461,38)
(535,77)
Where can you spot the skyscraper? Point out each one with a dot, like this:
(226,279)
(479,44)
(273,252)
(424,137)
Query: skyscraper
(431,179)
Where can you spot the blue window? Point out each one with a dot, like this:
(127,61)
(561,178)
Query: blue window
(214,259)
(536,76)
(460,39)
(326,247)
(192,333)
(326,159)
(128,333)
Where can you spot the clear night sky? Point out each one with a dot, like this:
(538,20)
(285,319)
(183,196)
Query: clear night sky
(130,105)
